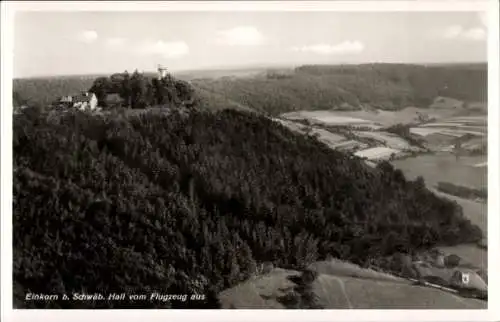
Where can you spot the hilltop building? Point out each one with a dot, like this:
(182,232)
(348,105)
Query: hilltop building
(162,72)
(85,101)
(82,101)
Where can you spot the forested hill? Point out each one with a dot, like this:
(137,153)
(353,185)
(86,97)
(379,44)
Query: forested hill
(136,90)
(382,86)
(191,203)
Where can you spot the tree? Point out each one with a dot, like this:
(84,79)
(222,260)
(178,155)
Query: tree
(101,88)
(126,89)
(184,90)
(138,91)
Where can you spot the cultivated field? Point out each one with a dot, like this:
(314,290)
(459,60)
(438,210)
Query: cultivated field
(424,131)
(440,127)
(470,130)
(405,116)
(377,153)
(388,139)
(329,138)
(445,167)
(327,117)
(446,102)
(349,145)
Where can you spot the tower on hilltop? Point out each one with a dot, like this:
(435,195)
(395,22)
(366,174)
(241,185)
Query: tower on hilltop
(162,72)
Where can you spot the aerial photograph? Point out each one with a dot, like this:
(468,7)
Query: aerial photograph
(250,160)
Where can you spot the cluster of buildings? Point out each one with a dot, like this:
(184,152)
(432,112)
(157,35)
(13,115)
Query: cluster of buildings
(82,101)
(88,101)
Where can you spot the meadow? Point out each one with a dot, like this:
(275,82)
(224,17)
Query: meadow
(278,289)
(445,167)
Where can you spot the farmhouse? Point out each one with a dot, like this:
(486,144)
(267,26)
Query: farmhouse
(83,101)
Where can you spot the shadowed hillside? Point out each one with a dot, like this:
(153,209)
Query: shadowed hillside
(193,202)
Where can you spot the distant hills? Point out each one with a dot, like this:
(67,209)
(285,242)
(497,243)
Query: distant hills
(381,86)
(308,87)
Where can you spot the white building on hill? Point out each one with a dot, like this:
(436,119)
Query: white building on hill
(162,72)
(83,101)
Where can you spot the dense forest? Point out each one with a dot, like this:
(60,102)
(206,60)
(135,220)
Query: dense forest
(136,90)
(382,86)
(194,202)
(139,91)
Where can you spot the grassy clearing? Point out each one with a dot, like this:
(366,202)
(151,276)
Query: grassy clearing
(349,145)
(326,117)
(342,292)
(377,153)
(469,253)
(422,131)
(383,295)
(367,116)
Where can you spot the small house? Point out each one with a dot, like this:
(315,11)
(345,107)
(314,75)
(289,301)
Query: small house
(66,99)
(85,101)
(467,278)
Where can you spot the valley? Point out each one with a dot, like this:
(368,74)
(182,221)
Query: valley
(435,161)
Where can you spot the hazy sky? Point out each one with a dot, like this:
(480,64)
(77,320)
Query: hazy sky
(54,43)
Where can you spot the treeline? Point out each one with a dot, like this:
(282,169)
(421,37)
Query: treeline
(193,203)
(136,90)
(42,92)
(462,191)
(467,82)
(18,100)
(383,86)
(140,91)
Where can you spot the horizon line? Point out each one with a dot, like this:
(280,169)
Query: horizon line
(251,66)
